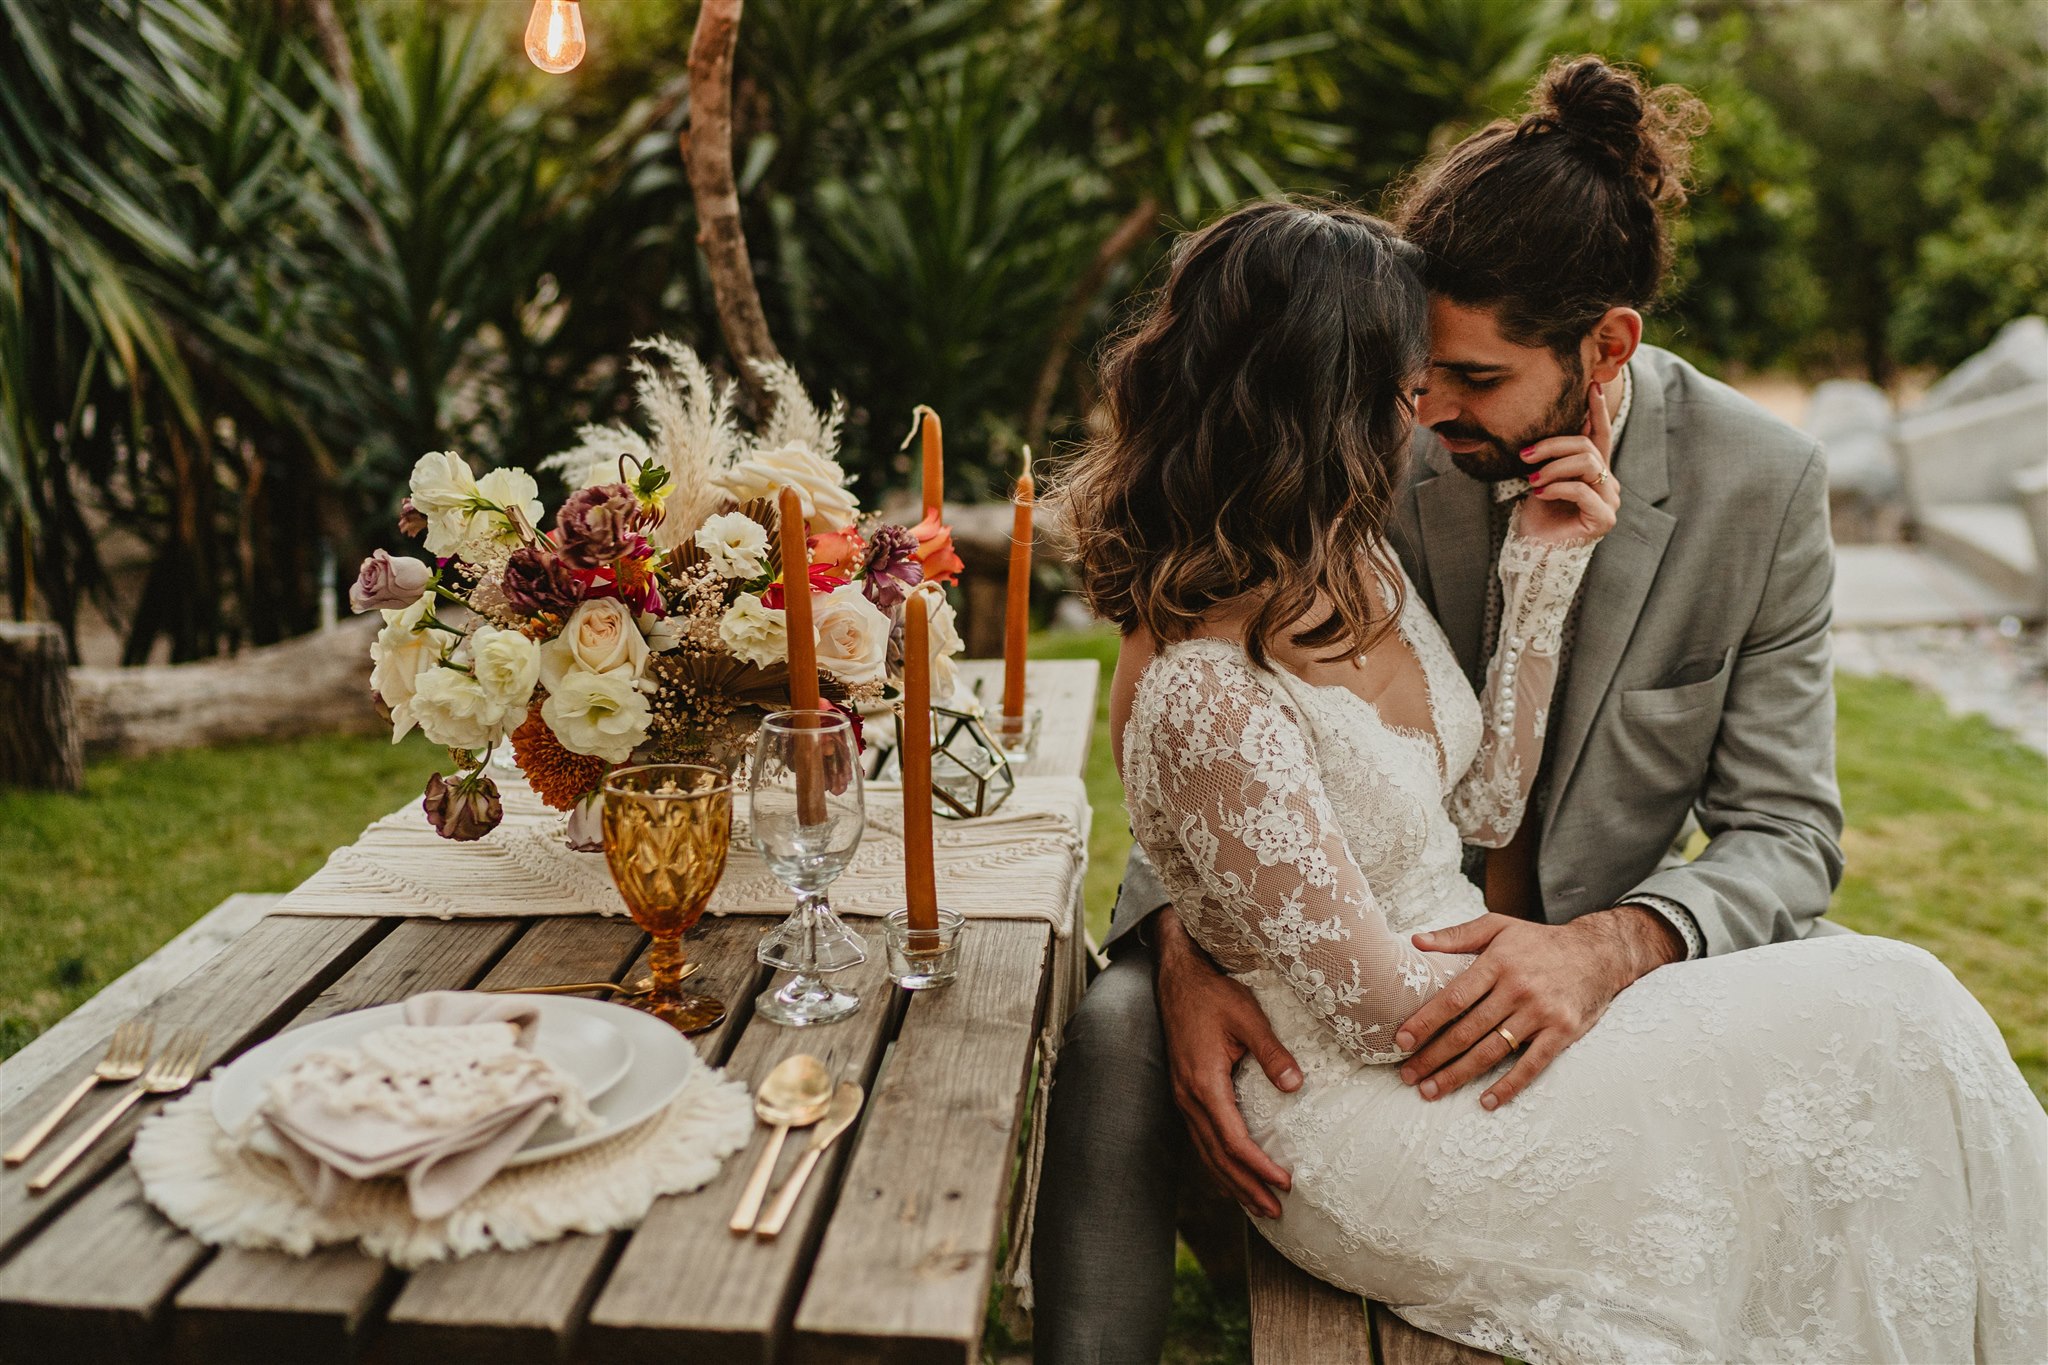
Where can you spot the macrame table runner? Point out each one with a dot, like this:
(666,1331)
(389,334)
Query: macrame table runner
(1024,862)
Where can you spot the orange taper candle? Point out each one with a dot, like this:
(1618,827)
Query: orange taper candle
(934,462)
(920,880)
(803,646)
(1017,611)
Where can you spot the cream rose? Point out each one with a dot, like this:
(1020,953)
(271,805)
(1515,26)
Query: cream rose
(454,710)
(946,643)
(600,637)
(506,665)
(754,632)
(819,482)
(853,635)
(506,488)
(602,714)
(401,651)
(736,544)
(444,492)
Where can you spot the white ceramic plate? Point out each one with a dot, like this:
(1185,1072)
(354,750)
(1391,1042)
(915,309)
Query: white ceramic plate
(630,1064)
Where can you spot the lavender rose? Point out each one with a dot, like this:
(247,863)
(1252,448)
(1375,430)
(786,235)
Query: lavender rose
(595,524)
(891,569)
(384,582)
(535,582)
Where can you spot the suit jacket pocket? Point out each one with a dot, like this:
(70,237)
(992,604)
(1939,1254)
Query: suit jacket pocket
(1656,704)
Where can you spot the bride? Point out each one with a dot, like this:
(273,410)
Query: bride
(1810,1150)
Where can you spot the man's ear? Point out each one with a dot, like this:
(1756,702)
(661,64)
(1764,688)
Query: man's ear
(1612,341)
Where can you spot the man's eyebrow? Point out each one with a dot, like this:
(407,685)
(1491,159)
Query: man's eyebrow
(1466,367)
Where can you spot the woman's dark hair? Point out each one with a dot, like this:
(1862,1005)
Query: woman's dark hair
(1256,419)
(1560,216)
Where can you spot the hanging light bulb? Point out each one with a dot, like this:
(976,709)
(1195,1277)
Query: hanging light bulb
(554,35)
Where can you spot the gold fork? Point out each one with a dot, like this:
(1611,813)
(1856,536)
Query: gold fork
(127,1054)
(173,1070)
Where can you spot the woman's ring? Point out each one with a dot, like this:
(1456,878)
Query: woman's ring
(1503,1032)
(1601,481)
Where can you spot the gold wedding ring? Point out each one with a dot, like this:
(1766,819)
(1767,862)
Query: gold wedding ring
(1503,1032)
(1601,480)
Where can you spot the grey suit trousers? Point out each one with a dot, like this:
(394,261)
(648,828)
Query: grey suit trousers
(1103,1247)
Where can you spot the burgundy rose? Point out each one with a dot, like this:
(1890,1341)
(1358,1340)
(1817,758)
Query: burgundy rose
(593,527)
(388,583)
(891,569)
(464,810)
(536,582)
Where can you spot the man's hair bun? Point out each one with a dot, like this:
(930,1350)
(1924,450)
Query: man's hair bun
(1618,124)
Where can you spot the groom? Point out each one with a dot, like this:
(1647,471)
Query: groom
(1696,687)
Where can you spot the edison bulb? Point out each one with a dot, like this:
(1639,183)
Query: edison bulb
(554,35)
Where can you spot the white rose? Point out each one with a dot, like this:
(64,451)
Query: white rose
(444,492)
(506,488)
(599,637)
(946,643)
(736,544)
(853,635)
(453,710)
(755,633)
(506,664)
(398,655)
(602,714)
(819,482)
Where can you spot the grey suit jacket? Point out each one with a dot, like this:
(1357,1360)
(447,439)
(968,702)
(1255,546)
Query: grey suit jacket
(1699,681)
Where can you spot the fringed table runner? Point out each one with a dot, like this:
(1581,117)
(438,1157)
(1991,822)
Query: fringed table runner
(1024,862)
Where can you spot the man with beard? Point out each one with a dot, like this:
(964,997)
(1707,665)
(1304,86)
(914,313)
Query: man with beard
(1695,687)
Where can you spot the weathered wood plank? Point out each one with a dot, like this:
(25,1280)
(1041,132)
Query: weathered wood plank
(686,1287)
(505,1307)
(1401,1344)
(904,1271)
(1297,1319)
(242,995)
(244,1305)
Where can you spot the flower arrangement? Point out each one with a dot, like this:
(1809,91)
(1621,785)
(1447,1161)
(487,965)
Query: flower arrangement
(648,623)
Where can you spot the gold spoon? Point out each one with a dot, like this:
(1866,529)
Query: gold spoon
(795,1095)
(643,986)
(845,1108)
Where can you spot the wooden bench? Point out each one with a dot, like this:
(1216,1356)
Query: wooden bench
(1299,1320)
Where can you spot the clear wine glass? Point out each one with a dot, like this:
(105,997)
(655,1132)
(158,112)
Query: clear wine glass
(808,815)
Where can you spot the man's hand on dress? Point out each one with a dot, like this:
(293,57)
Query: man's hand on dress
(1545,984)
(1211,1022)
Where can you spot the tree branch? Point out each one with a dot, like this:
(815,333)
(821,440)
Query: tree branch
(1135,227)
(707,150)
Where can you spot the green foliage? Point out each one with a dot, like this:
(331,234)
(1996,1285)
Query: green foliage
(243,296)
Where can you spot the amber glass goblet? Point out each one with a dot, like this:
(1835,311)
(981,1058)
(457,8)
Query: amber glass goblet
(666,830)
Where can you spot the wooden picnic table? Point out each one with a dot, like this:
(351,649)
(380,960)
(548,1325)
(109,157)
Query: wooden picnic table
(889,1256)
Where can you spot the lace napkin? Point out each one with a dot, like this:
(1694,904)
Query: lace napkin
(444,1099)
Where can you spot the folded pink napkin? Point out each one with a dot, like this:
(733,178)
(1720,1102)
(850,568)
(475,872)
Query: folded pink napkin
(444,1099)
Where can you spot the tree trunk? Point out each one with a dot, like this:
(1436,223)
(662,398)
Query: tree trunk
(707,151)
(39,737)
(1135,227)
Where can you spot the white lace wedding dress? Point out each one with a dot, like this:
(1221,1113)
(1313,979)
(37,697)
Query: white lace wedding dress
(1809,1151)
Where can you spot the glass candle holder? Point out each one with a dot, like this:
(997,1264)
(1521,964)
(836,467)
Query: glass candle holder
(920,959)
(1018,735)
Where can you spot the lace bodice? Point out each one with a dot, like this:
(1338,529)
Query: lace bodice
(1301,832)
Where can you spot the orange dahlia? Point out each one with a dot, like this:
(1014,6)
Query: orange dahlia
(560,777)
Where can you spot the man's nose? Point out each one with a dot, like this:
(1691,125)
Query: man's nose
(1431,410)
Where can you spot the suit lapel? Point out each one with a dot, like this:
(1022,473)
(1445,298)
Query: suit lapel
(1456,545)
(1618,581)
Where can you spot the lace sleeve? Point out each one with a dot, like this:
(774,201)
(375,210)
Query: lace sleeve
(1538,583)
(1227,801)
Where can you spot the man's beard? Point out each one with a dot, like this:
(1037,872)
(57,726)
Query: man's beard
(1500,459)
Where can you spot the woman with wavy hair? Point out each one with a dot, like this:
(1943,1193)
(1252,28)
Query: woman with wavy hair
(1303,760)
